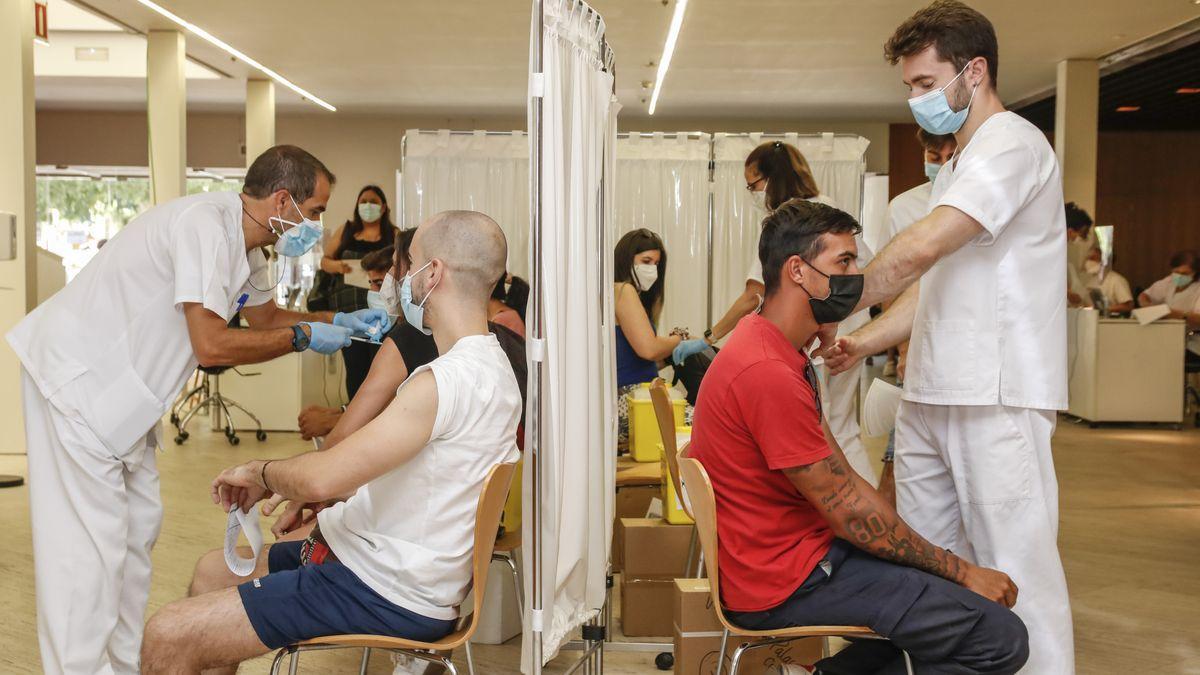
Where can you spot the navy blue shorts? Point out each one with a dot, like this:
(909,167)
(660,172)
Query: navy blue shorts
(296,602)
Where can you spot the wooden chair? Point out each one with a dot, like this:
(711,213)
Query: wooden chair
(704,509)
(487,521)
(665,414)
(505,552)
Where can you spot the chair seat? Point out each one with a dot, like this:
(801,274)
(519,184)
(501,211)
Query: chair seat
(806,631)
(508,543)
(455,639)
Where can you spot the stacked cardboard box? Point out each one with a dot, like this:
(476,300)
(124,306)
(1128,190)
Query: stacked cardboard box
(654,553)
(698,638)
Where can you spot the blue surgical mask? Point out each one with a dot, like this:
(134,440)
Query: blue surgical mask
(414,314)
(1181,280)
(300,238)
(933,112)
(931,171)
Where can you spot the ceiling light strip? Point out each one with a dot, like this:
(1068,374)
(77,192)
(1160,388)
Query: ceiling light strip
(668,51)
(209,37)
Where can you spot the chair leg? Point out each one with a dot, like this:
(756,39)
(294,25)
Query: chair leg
(192,413)
(687,566)
(737,657)
(470,658)
(366,659)
(449,666)
(294,666)
(700,569)
(721,654)
(908,665)
(516,575)
(278,660)
(232,403)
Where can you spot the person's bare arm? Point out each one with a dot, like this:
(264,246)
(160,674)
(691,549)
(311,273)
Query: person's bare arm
(634,323)
(388,441)
(859,514)
(387,373)
(330,261)
(747,302)
(889,329)
(216,344)
(269,315)
(1121,308)
(1145,300)
(914,250)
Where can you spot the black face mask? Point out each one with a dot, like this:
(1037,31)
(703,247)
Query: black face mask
(845,290)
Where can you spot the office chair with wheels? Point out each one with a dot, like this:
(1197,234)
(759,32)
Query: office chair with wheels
(217,404)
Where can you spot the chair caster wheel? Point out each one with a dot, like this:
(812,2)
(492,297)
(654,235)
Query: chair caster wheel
(184,435)
(234,440)
(180,439)
(665,661)
(174,418)
(261,435)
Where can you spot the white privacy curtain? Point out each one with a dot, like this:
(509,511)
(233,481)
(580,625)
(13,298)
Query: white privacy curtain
(661,184)
(575,406)
(837,165)
(476,171)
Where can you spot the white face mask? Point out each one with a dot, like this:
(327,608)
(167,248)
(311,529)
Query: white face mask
(644,276)
(760,200)
(389,296)
(1091,266)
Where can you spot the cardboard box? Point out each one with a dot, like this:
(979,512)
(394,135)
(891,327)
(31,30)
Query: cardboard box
(632,502)
(697,633)
(652,548)
(646,607)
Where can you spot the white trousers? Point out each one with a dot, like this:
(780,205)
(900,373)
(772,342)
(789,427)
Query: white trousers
(94,522)
(979,480)
(839,399)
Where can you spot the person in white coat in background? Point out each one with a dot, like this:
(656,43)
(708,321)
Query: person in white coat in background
(987,367)
(775,173)
(102,361)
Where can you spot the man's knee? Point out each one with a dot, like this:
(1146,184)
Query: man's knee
(210,573)
(1006,641)
(163,643)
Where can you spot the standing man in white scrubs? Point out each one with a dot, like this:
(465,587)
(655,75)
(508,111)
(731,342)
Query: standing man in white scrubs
(987,363)
(103,359)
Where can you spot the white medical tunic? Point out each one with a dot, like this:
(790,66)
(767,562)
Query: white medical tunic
(990,325)
(907,208)
(1165,292)
(118,333)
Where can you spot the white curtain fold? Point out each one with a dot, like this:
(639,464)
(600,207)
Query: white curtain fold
(477,171)
(662,184)
(838,166)
(578,375)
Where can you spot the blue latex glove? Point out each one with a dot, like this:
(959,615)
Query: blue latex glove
(687,348)
(369,323)
(327,339)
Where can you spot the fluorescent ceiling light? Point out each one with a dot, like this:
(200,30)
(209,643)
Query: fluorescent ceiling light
(668,50)
(192,28)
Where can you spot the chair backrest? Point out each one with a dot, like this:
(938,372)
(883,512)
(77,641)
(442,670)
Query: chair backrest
(487,521)
(664,412)
(704,512)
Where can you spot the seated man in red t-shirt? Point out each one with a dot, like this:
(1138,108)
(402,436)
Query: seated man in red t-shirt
(802,539)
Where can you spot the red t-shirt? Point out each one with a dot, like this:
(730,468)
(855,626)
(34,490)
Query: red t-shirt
(757,414)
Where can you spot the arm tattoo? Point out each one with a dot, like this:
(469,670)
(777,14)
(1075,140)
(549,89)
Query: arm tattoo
(873,525)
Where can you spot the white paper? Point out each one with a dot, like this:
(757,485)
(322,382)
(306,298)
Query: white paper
(242,522)
(357,276)
(880,408)
(1150,314)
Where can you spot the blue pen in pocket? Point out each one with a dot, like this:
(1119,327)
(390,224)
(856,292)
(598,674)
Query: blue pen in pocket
(241,302)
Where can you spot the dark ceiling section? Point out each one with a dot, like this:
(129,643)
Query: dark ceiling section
(1150,85)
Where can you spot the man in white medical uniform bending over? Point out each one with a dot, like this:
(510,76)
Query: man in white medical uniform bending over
(104,358)
(987,359)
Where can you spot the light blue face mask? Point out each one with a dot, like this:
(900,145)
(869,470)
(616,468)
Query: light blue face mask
(933,112)
(1182,280)
(414,314)
(300,238)
(931,171)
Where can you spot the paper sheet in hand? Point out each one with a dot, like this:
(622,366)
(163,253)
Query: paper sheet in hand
(242,522)
(357,276)
(880,407)
(1150,314)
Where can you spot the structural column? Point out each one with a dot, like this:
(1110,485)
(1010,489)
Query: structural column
(18,229)
(166,114)
(260,118)
(1076,129)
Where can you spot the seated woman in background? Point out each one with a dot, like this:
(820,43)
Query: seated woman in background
(368,230)
(639,273)
(1179,290)
(507,304)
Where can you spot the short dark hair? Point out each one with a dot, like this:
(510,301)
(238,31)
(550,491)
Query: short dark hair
(930,141)
(285,167)
(1187,257)
(379,260)
(797,228)
(402,243)
(1077,218)
(956,31)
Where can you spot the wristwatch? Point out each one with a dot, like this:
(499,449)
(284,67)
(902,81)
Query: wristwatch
(300,339)
(708,336)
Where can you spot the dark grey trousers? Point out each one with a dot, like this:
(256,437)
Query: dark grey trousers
(944,627)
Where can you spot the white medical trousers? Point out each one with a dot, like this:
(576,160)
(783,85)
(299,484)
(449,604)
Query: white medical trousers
(979,481)
(839,400)
(95,520)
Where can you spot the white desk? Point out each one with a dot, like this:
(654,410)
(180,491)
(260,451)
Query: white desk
(1121,371)
(283,386)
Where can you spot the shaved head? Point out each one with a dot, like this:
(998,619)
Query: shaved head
(472,247)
